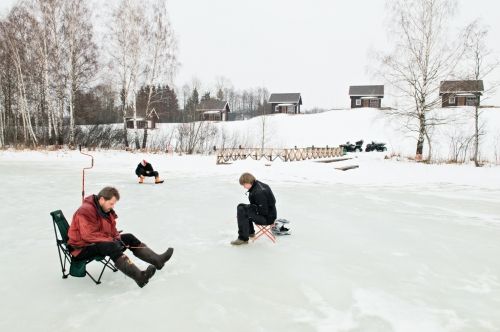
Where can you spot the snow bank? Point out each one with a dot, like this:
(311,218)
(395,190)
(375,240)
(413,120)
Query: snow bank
(338,126)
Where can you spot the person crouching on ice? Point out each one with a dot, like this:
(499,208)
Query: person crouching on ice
(261,210)
(145,169)
(93,232)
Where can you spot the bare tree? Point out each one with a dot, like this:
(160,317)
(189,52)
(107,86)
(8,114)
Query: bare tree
(82,53)
(422,57)
(496,147)
(128,31)
(161,60)
(222,87)
(265,129)
(40,10)
(15,36)
(53,9)
(480,62)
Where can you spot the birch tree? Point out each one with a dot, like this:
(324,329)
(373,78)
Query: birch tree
(82,53)
(50,16)
(424,54)
(15,34)
(118,41)
(161,60)
(41,10)
(127,28)
(479,62)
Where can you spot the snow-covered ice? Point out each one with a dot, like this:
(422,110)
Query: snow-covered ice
(390,246)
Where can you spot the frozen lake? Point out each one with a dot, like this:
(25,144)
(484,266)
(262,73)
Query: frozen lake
(390,246)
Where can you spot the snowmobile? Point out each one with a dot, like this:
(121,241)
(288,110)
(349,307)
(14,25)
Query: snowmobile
(349,147)
(279,227)
(375,146)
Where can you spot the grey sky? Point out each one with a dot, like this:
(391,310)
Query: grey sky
(315,47)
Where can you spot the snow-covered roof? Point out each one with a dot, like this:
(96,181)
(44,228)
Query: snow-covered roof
(212,105)
(366,90)
(285,98)
(461,86)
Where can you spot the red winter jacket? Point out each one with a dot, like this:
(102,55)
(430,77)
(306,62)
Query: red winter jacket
(88,226)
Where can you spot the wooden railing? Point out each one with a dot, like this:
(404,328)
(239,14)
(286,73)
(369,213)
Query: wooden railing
(225,155)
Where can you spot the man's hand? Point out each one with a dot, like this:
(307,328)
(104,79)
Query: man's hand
(121,243)
(147,172)
(253,208)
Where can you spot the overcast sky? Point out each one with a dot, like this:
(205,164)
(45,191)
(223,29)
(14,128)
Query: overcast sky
(315,47)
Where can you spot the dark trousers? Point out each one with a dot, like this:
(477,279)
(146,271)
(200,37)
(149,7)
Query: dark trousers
(111,249)
(143,173)
(246,218)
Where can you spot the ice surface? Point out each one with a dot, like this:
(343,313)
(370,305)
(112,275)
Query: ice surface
(390,246)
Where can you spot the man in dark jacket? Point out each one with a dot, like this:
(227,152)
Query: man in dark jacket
(261,210)
(145,169)
(93,232)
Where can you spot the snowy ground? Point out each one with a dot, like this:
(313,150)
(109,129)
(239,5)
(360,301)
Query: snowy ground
(336,127)
(390,246)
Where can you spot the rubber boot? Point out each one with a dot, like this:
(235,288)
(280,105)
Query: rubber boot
(141,179)
(157,180)
(128,268)
(238,242)
(149,256)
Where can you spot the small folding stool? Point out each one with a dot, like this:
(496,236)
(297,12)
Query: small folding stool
(265,230)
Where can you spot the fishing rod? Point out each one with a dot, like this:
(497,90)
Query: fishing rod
(227,222)
(83,172)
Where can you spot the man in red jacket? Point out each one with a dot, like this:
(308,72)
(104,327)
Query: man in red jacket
(95,223)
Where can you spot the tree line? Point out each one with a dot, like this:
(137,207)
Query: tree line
(56,71)
(67,63)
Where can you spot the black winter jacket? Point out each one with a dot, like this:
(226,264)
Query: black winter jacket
(148,167)
(262,199)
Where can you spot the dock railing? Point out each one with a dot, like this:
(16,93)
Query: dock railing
(271,154)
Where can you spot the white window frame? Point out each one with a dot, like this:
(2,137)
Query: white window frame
(451,100)
(358,102)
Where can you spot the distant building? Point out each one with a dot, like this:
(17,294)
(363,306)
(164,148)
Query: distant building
(213,110)
(461,93)
(366,95)
(285,103)
(153,119)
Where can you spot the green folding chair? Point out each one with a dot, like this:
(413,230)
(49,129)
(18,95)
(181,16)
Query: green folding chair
(77,268)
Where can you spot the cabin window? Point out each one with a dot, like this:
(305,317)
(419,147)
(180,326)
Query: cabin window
(451,100)
(290,109)
(373,102)
(470,101)
(358,102)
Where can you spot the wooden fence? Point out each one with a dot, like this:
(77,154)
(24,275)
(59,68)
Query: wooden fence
(225,155)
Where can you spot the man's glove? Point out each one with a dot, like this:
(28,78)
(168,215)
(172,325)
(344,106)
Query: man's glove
(252,207)
(122,244)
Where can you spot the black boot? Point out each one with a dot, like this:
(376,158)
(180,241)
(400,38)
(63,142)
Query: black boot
(149,256)
(130,270)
